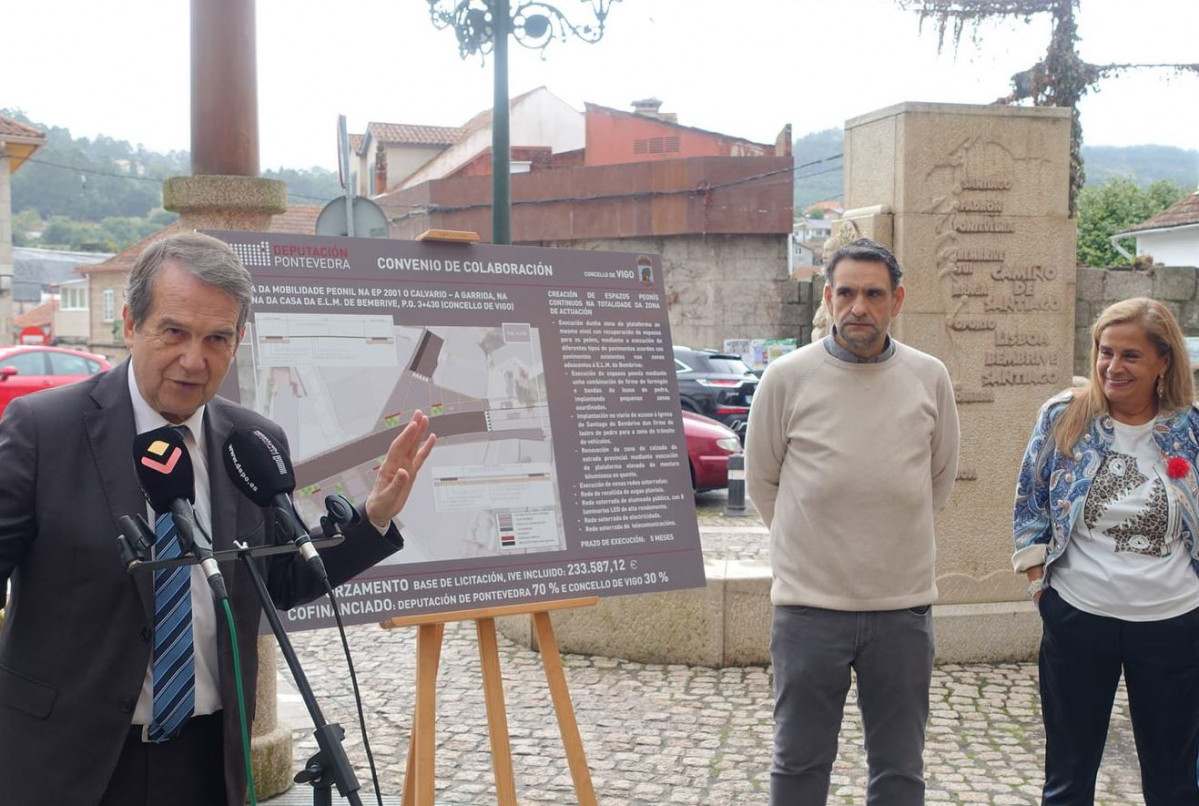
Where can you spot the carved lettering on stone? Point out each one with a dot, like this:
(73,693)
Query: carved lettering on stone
(1019,376)
(995,225)
(984,206)
(971,288)
(986,183)
(961,396)
(1018,338)
(979,256)
(1020,356)
(960,323)
(1008,303)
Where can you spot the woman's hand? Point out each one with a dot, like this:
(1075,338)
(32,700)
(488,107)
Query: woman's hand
(1037,572)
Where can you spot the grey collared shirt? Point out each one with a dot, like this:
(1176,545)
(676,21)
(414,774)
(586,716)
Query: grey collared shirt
(839,352)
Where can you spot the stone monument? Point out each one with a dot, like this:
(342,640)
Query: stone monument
(974,202)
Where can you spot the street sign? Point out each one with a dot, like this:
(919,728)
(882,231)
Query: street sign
(32,334)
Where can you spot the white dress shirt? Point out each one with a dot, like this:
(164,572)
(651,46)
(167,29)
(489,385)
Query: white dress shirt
(204,616)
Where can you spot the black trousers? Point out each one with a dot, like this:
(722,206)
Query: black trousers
(1082,656)
(189,770)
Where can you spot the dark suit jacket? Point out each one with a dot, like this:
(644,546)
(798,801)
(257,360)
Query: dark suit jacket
(75,641)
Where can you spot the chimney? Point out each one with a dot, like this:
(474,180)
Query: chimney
(648,107)
(380,170)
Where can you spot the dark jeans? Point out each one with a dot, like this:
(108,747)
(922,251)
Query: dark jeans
(1082,656)
(812,652)
(189,770)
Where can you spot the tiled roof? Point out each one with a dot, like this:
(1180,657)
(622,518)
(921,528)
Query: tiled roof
(39,316)
(299,219)
(1178,214)
(410,134)
(13,128)
(667,121)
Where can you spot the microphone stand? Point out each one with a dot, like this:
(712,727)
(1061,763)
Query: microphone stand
(329,766)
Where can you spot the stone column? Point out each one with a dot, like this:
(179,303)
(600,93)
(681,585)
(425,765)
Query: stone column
(974,200)
(243,203)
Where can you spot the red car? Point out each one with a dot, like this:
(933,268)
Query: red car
(30,369)
(709,445)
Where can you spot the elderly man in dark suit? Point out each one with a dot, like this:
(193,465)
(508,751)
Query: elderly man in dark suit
(77,687)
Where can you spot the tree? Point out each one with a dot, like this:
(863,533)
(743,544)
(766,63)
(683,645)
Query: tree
(1116,205)
(25,225)
(1061,78)
(313,185)
(91,179)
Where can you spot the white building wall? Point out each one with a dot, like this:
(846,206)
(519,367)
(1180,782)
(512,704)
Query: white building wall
(403,160)
(538,119)
(1173,247)
(72,326)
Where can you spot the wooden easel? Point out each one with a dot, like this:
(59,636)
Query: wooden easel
(418,780)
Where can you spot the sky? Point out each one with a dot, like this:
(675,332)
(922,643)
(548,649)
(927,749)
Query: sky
(741,67)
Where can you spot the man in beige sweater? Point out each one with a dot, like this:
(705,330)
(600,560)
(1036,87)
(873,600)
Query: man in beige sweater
(852,446)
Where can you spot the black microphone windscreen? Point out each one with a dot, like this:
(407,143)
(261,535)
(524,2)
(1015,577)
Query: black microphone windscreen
(258,465)
(164,468)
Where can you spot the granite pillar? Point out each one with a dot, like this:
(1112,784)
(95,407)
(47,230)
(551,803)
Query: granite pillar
(975,202)
(243,203)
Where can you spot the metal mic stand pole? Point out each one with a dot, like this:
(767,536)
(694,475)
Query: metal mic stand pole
(330,765)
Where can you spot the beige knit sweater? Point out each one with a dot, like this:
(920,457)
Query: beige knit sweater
(847,463)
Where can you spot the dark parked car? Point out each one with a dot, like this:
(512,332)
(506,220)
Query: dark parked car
(709,445)
(30,369)
(716,385)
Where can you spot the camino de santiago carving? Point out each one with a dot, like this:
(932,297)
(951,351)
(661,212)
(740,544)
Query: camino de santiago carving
(974,202)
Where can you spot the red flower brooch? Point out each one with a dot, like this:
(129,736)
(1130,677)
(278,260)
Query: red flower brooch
(1177,467)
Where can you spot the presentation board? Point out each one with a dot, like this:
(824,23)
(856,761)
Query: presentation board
(560,468)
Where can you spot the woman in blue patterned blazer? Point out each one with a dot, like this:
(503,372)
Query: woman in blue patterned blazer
(1105,524)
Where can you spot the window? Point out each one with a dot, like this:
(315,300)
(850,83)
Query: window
(73,297)
(67,364)
(656,145)
(27,363)
(110,304)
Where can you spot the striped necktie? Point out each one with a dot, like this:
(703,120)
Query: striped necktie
(174,667)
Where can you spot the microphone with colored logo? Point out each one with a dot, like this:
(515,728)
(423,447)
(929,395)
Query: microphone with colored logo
(261,469)
(168,480)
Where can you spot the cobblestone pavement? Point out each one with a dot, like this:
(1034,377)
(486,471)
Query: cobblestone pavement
(669,734)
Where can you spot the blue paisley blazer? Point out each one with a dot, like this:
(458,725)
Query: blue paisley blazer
(1052,487)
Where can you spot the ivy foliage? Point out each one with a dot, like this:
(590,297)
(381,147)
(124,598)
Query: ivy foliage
(1060,78)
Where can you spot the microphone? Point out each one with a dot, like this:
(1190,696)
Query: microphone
(135,540)
(168,480)
(261,469)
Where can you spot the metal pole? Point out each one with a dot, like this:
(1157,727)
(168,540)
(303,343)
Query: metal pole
(343,145)
(501,189)
(735,508)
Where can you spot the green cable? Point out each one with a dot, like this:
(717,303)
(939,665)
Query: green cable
(241,701)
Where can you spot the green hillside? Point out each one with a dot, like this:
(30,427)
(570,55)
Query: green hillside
(1144,165)
(103,194)
(822,181)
